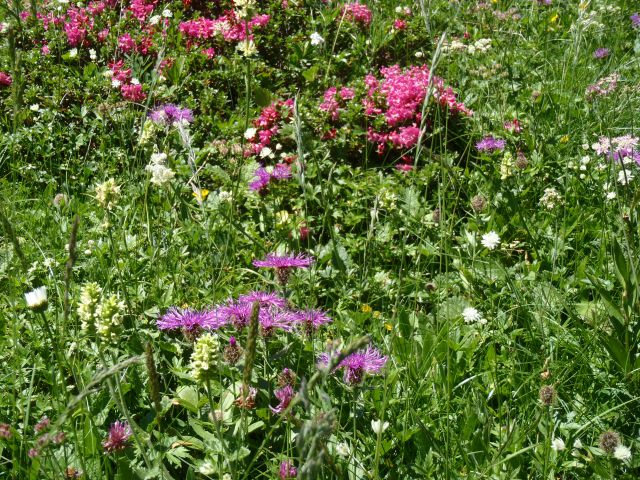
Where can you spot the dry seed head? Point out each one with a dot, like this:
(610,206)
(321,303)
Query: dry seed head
(609,440)
(547,395)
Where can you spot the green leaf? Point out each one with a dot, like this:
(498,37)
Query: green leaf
(310,73)
(261,96)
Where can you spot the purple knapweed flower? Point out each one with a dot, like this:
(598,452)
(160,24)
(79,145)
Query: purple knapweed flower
(169,114)
(635,20)
(237,314)
(356,365)
(287,470)
(5,430)
(312,319)
(272,318)
(283,264)
(601,53)
(261,180)
(284,395)
(191,320)
(119,434)
(490,144)
(282,171)
(264,298)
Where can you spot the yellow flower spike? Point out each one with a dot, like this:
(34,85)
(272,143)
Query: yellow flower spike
(366,308)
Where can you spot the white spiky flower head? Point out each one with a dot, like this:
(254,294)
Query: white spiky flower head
(37,299)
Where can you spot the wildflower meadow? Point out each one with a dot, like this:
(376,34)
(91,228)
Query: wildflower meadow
(319,239)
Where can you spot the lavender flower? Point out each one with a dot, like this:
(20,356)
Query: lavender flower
(357,364)
(283,264)
(281,171)
(490,144)
(284,395)
(271,318)
(237,314)
(191,320)
(118,436)
(635,20)
(169,114)
(601,53)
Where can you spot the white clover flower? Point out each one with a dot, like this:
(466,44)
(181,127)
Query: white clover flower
(73,53)
(160,174)
(115,83)
(622,453)
(490,240)
(35,107)
(135,81)
(624,177)
(550,199)
(378,426)
(166,13)
(92,54)
(316,39)
(155,20)
(558,444)
(37,299)
(265,152)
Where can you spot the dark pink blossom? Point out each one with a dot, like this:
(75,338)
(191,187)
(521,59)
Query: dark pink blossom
(284,395)
(118,437)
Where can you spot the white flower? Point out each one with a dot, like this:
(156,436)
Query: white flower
(207,468)
(155,20)
(419,54)
(622,453)
(166,13)
(265,152)
(378,427)
(160,175)
(611,195)
(342,449)
(247,48)
(37,299)
(73,53)
(250,133)
(316,39)
(115,83)
(158,158)
(557,444)
(490,240)
(35,107)
(624,177)
(92,54)
(577,443)
(135,81)
(472,315)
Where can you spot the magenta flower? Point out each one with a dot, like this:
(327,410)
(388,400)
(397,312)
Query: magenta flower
(356,365)
(283,264)
(261,181)
(191,320)
(490,144)
(284,395)
(357,13)
(272,318)
(5,430)
(287,470)
(237,314)
(5,79)
(119,434)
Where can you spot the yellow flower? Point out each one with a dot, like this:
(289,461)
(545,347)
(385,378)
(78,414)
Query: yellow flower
(564,139)
(201,195)
(366,308)
(388,326)
(554,19)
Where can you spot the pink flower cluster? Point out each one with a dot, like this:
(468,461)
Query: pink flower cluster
(357,13)
(398,100)
(141,9)
(77,26)
(335,99)
(603,87)
(228,26)
(267,125)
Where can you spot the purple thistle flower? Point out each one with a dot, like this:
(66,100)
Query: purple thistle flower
(281,171)
(191,320)
(238,314)
(287,470)
(271,318)
(265,298)
(356,365)
(601,53)
(283,264)
(635,20)
(490,144)
(284,395)
(168,114)
(261,182)
(312,319)
(119,433)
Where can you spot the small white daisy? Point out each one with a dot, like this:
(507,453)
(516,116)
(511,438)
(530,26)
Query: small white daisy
(622,453)
(37,299)
(557,444)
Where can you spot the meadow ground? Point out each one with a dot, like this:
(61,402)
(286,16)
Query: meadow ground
(319,239)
